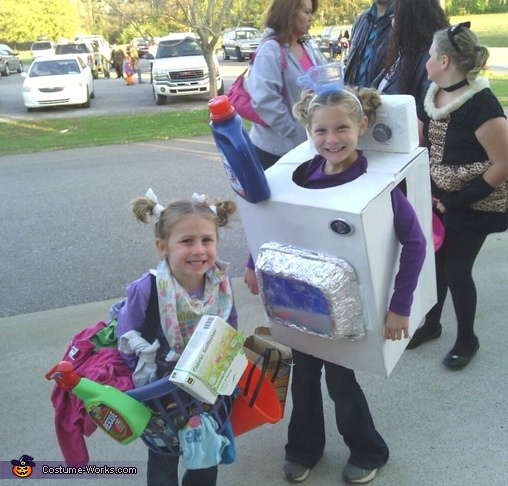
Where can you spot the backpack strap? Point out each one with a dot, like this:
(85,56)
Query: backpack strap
(282,56)
(152,315)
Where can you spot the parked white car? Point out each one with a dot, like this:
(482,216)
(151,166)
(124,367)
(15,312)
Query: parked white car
(58,80)
(180,69)
(42,48)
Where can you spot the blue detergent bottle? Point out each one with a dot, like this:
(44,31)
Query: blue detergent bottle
(238,155)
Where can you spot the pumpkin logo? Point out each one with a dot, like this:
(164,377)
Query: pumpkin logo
(24,467)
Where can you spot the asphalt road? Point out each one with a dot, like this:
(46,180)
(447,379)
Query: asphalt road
(67,235)
(112,96)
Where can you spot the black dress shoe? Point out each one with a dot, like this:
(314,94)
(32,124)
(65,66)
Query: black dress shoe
(456,361)
(422,335)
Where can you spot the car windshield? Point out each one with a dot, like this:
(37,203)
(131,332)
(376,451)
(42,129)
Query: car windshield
(178,48)
(247,34)
(72,49)
(41,46)
(54,68)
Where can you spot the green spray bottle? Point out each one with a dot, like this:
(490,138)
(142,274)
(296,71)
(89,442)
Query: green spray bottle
(122,417)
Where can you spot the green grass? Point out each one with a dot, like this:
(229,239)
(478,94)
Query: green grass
(89,131)
(499,85)
(491,29)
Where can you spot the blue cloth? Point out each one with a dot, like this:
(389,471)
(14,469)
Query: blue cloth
(229,452)
(201,445)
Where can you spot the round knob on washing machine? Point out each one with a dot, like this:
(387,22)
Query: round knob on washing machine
(382,133)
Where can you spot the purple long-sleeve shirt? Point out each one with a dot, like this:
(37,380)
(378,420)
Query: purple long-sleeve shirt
(407,228)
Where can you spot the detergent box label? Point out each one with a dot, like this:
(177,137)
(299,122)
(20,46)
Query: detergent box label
(213,361)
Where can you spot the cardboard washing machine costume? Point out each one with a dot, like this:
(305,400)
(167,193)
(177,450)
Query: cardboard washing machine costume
(333,253)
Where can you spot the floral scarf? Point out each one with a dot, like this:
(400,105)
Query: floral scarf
(180,313)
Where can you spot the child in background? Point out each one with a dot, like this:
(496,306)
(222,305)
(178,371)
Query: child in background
(128,69)
(191,282)
(335,121)
(464,127)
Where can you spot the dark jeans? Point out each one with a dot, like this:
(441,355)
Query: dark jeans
(163,471)
(454,271)
(306,433)
(267,159)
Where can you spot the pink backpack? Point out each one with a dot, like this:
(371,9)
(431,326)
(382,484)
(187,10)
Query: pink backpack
(240,98)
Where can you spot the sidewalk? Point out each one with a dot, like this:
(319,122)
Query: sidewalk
(444,428)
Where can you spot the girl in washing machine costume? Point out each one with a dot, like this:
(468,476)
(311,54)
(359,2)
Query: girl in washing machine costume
(335,120)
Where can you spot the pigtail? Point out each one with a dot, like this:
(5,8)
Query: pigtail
(142,207)
(370,100)
(224,209)
(301,107)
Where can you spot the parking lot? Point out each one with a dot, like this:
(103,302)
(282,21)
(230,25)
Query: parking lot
(112,96)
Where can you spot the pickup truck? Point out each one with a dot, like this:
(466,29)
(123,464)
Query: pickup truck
(179,68)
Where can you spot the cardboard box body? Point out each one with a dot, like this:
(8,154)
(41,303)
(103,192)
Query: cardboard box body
(302,218)
(213,361)
(256,344)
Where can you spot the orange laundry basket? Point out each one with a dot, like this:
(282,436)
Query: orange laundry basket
(256,404)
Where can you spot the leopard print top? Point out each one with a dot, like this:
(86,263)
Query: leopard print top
(453,176)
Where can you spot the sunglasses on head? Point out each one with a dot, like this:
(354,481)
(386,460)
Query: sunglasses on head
(454,30)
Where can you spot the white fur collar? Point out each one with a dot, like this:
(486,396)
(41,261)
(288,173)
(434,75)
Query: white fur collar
(439,113)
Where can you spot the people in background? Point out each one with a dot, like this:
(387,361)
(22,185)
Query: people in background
(369,41)
(282,56)
(464,127)
(117,58)
(414,25)
(133,52)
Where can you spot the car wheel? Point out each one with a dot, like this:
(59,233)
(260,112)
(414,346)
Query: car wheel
(7,71)
(161,99)
(93,92)
(239,56)
(225,54)
(86,104)
(220,91)
(20,69)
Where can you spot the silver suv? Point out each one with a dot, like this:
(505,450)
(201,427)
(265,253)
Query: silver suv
(241,42)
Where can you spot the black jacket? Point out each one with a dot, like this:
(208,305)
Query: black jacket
(359,36)
(419,81)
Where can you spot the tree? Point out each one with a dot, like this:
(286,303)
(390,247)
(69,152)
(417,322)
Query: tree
(24,21)
(206,19)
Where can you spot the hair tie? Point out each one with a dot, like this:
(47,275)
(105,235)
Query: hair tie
(158,208)
(202,199)
(477,48)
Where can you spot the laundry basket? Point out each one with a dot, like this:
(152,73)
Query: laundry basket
(171,409)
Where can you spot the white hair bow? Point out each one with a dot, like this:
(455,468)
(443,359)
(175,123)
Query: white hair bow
(201,198)
(157,210)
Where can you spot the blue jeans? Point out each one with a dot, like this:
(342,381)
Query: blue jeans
(163,471)
(306,433)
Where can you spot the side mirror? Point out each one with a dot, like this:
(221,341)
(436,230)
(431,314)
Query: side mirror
(24,75)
